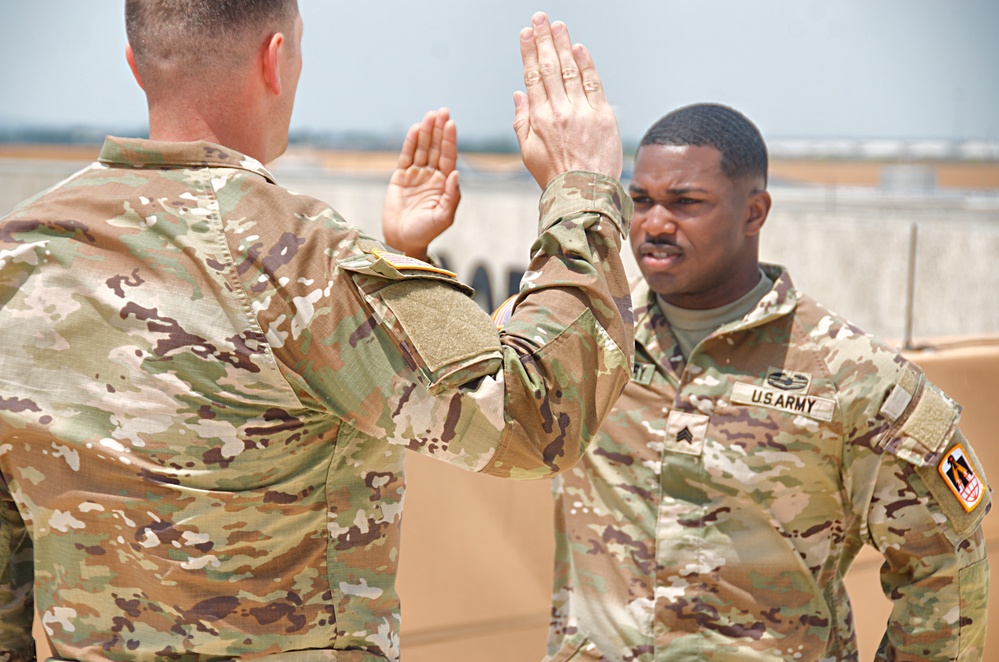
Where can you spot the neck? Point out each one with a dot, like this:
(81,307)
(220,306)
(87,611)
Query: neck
(728,287)
(224,121)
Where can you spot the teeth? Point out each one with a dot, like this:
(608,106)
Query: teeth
(661,254)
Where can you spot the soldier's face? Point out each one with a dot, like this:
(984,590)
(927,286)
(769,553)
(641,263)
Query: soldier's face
(695,232)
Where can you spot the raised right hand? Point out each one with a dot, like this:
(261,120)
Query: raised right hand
(564,122)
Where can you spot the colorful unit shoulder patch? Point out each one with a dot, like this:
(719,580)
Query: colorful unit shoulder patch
(960,476)
(401,262)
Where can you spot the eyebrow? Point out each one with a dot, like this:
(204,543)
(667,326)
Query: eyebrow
(633,188)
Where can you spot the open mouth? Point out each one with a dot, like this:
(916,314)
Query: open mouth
(659,253)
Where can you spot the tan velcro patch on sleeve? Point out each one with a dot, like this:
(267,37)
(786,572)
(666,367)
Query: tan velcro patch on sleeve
(932,420)
(442,324)
(923,428)
(901,395)
(909,380)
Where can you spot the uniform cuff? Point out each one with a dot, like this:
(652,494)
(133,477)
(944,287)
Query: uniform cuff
(579,192)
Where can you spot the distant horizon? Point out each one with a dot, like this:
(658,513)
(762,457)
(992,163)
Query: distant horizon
(872,147)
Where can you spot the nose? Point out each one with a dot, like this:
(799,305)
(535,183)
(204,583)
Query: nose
(658,220)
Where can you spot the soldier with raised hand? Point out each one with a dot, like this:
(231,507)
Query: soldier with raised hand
(761,442)
(208,383)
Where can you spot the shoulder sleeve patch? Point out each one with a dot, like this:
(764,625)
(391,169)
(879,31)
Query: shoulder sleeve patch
(957,483)
(961,478)
(444,326)
(428,313)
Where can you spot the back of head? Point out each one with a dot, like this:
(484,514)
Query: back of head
(200,38)
(707,124)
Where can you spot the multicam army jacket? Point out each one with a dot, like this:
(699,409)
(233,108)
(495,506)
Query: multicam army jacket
(208,383)
(722,502)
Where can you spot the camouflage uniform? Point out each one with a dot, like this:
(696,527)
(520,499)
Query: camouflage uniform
(722,502)
(208,384)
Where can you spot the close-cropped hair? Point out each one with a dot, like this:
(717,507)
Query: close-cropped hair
(194,34)
(743,152)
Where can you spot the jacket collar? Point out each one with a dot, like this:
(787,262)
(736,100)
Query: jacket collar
(138,153)
(652,332)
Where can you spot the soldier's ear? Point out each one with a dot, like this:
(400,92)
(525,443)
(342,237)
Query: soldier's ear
(272,53)
(130,56)
(757,209)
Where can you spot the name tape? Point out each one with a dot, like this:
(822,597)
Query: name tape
(821,409)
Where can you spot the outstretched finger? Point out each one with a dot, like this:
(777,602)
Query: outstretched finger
(548,62)
(592,86)
(571,80)
(408,148)
(440,118)
(423,140)
(449,148)
(535,86)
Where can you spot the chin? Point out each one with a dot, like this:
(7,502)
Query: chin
(664,287)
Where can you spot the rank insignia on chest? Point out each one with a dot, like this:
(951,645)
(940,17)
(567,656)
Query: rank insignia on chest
(642,373)
(960,476)
(685,432)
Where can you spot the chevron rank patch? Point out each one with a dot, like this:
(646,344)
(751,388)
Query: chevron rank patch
(685,432)
(961,477)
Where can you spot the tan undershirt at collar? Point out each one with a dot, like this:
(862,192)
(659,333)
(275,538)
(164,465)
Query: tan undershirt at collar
(692,326)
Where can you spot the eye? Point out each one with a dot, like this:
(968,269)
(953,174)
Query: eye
(641,200)
(687,201)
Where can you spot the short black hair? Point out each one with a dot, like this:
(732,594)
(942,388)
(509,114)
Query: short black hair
(743,152)
(197,34)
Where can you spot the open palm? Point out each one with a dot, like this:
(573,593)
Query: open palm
(423,192)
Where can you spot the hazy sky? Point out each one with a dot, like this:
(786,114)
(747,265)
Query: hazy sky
(798,68)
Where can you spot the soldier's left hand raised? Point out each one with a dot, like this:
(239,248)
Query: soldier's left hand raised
(423,192)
